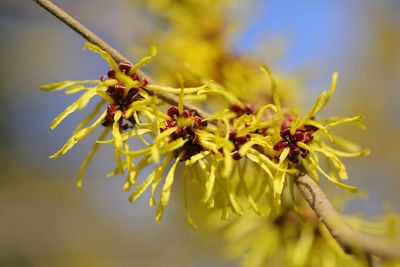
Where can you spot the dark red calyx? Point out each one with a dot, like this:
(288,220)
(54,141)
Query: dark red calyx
(173,112)
(249,108)
(111,74)
(103,78)
(232,134)
(304,153)
(235,108)
(186,114)
(284,133)
(298,136)
(280,145)
(242,140)
(235,155)
(294,151)
(132,93)
(134,76)
(169,124)
(125,67)
(179,131)
(111,109)
(144,82)
(308,137)
(310,128)
(196,122)
(120,87)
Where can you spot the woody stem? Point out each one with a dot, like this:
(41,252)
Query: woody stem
(347,237)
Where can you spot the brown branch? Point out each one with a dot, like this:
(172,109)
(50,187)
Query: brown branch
(117,56)
(318,201)
(347,237)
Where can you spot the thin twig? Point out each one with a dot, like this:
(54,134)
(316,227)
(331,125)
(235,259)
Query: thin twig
(117,56)
(342,232)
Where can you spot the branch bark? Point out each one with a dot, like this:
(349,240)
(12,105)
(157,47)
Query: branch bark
(313,194)
(117,56)
(347,237)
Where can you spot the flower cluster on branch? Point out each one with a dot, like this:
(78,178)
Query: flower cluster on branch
(272,143)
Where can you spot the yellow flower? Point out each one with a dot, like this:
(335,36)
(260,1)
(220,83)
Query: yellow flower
(302,141)
(121,90)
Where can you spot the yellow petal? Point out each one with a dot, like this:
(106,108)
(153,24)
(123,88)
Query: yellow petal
(275,94)
(357,120)
(75,89)
(228,163)
(335,77)
(210,182)
(65,84)
(103,54)
(339,184)
(159,172)
(144,61)
(75,138)
(78,104)
(173,145)
(117,140)
(171,90)
(90,116)
(284,155)
(142,164)
(166,191)
(140,189)
(89,157)
(259,162)
(126,136)
(236,207)
(197,157)
(189,218)
(279,182)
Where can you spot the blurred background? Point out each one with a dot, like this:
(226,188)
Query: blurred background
(46,221)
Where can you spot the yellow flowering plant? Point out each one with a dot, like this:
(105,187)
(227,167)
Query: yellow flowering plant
(244,156)
(278,142)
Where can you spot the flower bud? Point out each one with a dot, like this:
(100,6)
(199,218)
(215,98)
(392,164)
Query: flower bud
(111,74)
(235,155)
(125,67)
(173,112)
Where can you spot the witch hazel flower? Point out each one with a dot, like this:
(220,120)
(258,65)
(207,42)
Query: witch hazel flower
(289,140)
(121,100)
(185,124)
(180,139)
(304,141)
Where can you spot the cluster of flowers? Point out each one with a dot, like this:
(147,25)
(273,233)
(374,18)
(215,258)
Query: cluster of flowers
(303,134)
(120,97)
(219,151)
(185,124)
